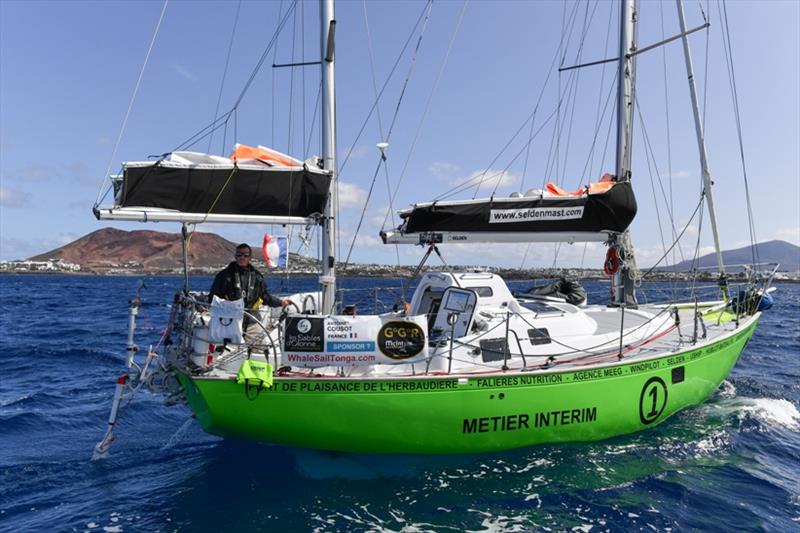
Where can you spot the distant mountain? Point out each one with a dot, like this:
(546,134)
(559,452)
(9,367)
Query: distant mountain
(155,250)
(787,254)
(110,249)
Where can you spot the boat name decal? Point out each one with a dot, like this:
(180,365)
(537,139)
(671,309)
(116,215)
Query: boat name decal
(365,386)
(555,418)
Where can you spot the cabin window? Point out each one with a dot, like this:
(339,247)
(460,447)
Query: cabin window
(429,304)
(483,292)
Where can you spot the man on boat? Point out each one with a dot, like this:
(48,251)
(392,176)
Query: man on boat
(241,280)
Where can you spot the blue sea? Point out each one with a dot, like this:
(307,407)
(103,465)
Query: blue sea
(730,464)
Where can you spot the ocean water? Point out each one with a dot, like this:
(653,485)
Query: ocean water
(730,464)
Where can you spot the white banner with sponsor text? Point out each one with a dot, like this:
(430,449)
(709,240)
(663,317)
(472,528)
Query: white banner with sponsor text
(314,341)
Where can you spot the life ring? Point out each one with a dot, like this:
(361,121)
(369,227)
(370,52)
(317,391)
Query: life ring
(611,264)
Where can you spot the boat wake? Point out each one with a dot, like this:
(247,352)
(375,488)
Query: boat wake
(178,435)
(768,412)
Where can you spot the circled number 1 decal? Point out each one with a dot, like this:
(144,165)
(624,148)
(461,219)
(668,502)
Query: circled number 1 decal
(653,400)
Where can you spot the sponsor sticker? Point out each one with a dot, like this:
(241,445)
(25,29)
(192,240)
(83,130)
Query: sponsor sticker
(400,339)
(533,214)
(314,341)
(304,334)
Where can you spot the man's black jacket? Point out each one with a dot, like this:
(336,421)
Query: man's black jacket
(234,282)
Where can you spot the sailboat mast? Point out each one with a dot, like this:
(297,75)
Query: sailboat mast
(624,290)
(625,89)
(701,145)
(328,276)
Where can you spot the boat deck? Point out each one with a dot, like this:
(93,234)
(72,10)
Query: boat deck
(668,339)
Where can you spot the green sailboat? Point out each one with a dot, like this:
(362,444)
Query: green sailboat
(466,366)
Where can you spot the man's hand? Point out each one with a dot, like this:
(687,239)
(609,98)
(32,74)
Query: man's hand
(285,302)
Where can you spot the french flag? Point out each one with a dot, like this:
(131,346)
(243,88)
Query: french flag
(276,251)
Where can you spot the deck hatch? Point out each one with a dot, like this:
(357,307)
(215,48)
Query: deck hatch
(539,336)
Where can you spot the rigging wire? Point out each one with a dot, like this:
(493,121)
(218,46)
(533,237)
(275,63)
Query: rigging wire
(423,16)
(426,12)
(587,20)
(680,235)
(667,199)
(130,104)
(668,130)
(651,164)
(530,118)
(473,180)
(555,143)
(696,258)
(274,90)
(225,72)
(380,130)
(599,117)
(290,107)
(428,105)
(382,159)
(223,119)
(726,35)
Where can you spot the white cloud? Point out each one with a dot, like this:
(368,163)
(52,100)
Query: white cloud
(12,198)
(76,171)
(79,171)
(489,180)
(185,73)
(351,195)
(444,171)
(361,151)
(36,172)
(14,249)
(678,174)
(492,179)
(791,235)
(691,229)
(81,205)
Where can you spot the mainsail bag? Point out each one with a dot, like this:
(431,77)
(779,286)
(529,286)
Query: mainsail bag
(253,181)
(225,189)
(611,210)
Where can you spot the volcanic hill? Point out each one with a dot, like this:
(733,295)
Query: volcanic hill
(152,250)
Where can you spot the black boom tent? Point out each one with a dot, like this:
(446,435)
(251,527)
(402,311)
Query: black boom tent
(299,192)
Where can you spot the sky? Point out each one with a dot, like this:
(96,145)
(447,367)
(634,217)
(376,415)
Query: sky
(68,71)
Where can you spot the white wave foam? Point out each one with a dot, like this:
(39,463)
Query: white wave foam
(726,390)
(774,412)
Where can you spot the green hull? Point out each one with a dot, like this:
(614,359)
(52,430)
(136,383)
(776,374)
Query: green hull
(448,415)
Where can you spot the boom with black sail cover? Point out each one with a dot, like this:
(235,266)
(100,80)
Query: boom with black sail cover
(250,191)
(610,209)
(253,185)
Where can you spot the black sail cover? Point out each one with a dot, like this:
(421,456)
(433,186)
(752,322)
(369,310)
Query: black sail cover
(300,191)
(609,211)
